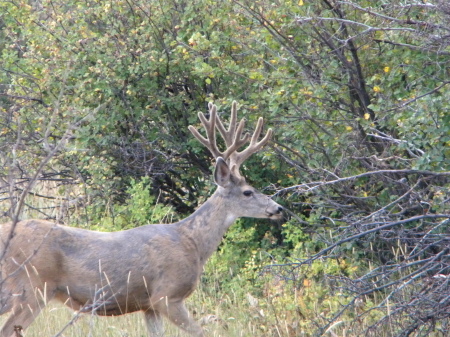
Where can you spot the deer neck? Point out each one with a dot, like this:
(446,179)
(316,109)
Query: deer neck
(208,224)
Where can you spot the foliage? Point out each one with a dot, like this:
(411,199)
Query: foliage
(139,209)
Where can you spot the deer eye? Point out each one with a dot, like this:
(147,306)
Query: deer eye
(248,193)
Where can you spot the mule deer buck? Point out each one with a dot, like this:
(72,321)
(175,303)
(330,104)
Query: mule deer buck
(152,268)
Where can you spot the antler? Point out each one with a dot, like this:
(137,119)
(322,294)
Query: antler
(233,136)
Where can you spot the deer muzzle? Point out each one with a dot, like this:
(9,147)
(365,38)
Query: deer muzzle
(274,211)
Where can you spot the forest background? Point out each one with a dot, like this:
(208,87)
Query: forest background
(96,97)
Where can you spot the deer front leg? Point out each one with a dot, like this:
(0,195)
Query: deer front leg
(154,323)
(176,312)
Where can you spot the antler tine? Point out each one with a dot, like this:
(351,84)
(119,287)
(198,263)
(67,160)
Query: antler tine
(210,128)
(254,146)
(238,141)
(233,137)
(228,135)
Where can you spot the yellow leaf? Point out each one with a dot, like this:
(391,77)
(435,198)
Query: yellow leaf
(300,3)
(348,128)
(208,81)
(366,116)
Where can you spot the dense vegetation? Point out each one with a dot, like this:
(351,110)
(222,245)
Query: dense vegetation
(96,97)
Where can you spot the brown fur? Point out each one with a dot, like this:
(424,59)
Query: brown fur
(152,269)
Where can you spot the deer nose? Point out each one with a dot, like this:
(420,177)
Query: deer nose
(279,210)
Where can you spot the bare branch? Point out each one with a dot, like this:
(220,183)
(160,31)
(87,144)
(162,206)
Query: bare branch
(308,187)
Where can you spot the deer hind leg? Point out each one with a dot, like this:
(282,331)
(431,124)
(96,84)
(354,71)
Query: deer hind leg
(25,307)
(154,323)
(176,312)
(6,302)
(22,315)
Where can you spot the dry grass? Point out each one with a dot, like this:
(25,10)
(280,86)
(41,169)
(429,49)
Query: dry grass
(55,317)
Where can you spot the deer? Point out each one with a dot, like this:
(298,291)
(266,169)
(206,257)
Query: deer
(151,268)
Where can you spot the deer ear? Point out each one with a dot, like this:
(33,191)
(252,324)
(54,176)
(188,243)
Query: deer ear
(222,173)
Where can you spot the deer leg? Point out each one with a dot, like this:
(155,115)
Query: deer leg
(154,323)
(177,314)
(25,305)
(23,314)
